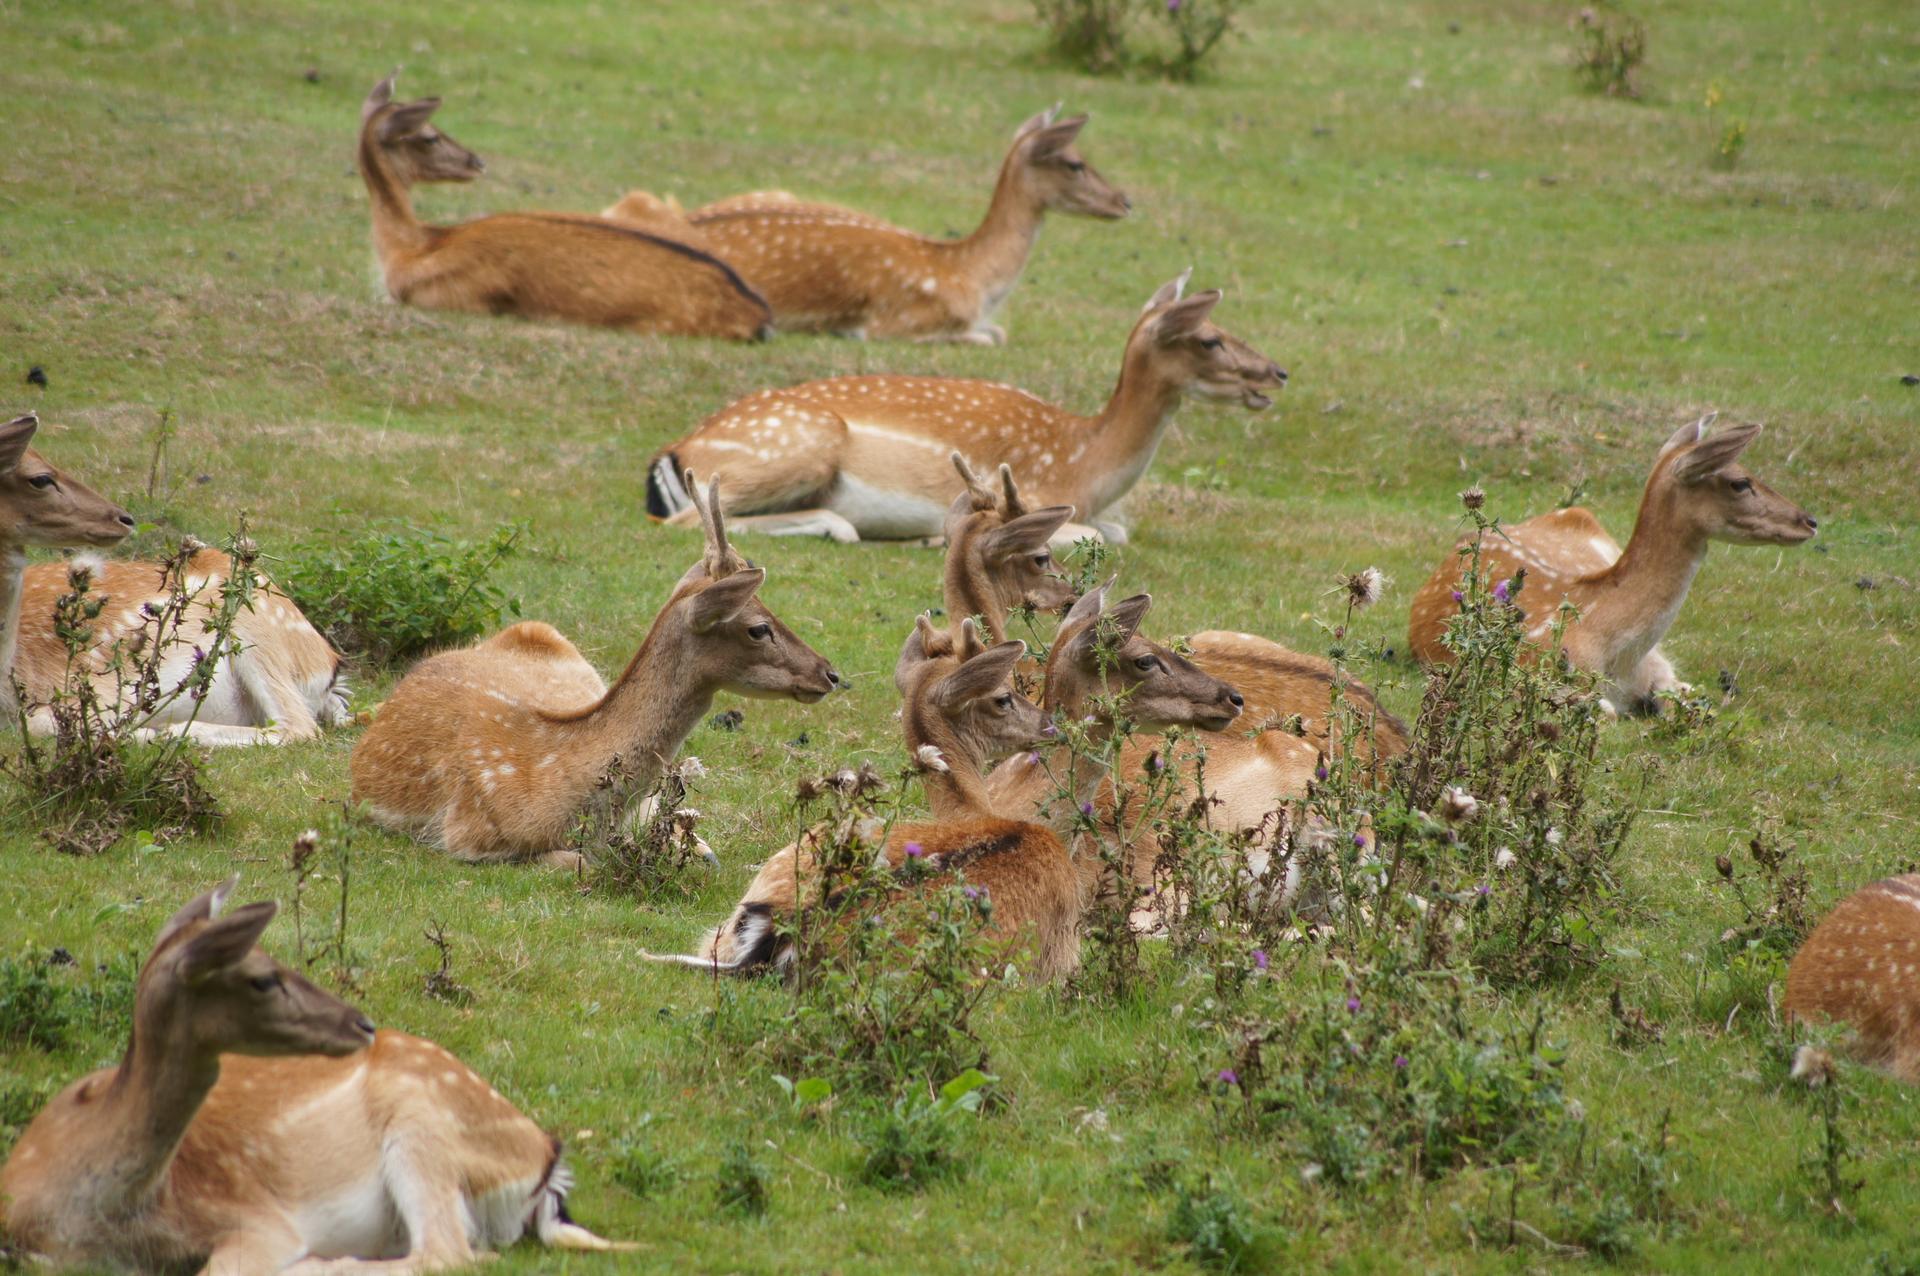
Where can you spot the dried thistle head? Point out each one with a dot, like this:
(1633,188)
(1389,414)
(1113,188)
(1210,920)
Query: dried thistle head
(1812,1066)
(929,758)
(1474,497)
(1457,806)
(1363,588)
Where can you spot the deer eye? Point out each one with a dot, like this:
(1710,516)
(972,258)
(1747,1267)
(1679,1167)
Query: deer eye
(1042,560)
(1003,702)
(264,983)
(42,481)
(760,632)
(1212,343)
(1742,485)
(1075,166)
(1147,664)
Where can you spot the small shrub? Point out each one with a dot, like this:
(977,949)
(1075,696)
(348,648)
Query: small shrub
(34,1009)
(305,864)
(1730,137)
(639,1166)
(642,849)
(20,1101)
(1611,48)
(1213,1222)
(914,1142)
(397,591)
(440,983)
(1101,36)
(742,1182)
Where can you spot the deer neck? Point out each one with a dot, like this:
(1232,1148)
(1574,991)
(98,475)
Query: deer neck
(995,254)
(1630,606)
(13,578)
(960,791)
(395,228)
(143,1113)
(1128,430)
(1032,784)
(966,591)
(643,719)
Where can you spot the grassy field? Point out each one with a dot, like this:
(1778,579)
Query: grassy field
(1473,270)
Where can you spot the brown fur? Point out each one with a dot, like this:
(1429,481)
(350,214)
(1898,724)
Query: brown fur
(1279,682)
(804,458)
(250,1106)
(825,269)
(1628,598)
(564,266)
(1859,966)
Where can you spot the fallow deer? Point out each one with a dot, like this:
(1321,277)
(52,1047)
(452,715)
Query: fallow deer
(282,683)
(1859,966)
(260,1124)
(1629,598)
(828,269)
(565,266)
(999,553)
(961,711)
(491,750)
(867,456)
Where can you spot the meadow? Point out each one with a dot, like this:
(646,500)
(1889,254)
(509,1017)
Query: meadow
(1474,270)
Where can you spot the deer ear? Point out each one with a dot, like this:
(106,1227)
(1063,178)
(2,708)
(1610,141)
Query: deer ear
(199,908)
(981,675)
(1126,615)
(1184,317)
(1168,292)
(1038,122)
(409,119)
(15,436)
(923,644)
(1055,138)
(1027,534)
(226,941)
(381,95)
(725,599)
(1091,604)
(1688,435)
(1715,452)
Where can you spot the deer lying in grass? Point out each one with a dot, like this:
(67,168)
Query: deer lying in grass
(999,553)
(829,269)
(867,456)
(260,1124)
(492,750)
(1628,599)
(563,266)
(961,712)
(282,684)
(1858,967)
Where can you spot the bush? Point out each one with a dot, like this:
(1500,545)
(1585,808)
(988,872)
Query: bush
(34,1010)
(396,592)
(1212,1222)
(1612,46)
(741,1182)
(642,849)
(913,1143)
(1102,35)
(637,1164)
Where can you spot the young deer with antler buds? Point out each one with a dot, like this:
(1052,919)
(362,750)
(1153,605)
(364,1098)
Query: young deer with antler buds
(961,712)
(493,749)
(829,269)
(565,266)
(282,683)
(1859,966)
(867,457)
(259,1124)
(1627,599)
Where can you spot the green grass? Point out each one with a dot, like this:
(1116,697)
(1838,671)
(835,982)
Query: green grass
(1473,271)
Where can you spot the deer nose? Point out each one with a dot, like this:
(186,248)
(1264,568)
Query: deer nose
(1237,700)
(126,520)
(1811,522)
(364,1024)
(479,165)
(833,677)
(1279,374)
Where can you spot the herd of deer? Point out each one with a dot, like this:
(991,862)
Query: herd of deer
(257,1123)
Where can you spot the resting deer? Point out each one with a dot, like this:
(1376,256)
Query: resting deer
(563,266)
(961,711)
(829,269)
(999,553)
(259,1124)
(1858,966)
(867,456)
(491,750)
(1628,599)
(283,683)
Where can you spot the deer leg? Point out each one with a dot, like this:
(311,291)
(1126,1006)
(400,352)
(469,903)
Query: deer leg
(217,735)
(813,522)
(1064,539)
(1653,675)
(261,1249)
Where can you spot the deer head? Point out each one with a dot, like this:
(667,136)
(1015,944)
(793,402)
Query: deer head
(208,986)
(997,549)
(415,150)
(736,644)
(1177,337)
(43,505)
(960,698)
(1049,169)
(1719,498)
(1099,652)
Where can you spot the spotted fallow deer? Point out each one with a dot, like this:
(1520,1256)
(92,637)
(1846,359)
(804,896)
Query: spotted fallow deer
(1861,966)
(961,712)
(1627,599)
(829,269)
(283,683)
(867,456)
(999,553)
(259,1124)
(491,750)
(564,266)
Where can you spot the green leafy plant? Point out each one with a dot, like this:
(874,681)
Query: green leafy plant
(1213,1222)
(742,1183)
(642,849)
(1612,45)
(914,1142)
(637,1164)
(1167,37)
(1729,137)
(34,1009)
(396,591)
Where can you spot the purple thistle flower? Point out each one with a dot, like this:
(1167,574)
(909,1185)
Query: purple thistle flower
(1320,772)
(1259,959)
(1229,1077)
(1353,1005)
(1503,592)
(972,892)
(1360,839)
(1086,809)
(1173,6)
(1399,1061)
(1483,890)
(198,655)
(914,850)
(1458,596)
(1034,759)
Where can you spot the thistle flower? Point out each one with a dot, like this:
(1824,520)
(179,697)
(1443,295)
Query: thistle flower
(1360,839)
(930,758)
(191,544)
(1229,1077)
(973,892)
(1457,806)
(914,850)
(1459,597)
(1503,592)
(245,547)
(1504,859)
(844,780)
(1723,866)
(1400,1061)
(1812,1065)
(1086,809)
(1363,588)
(1353,1005)
(1320,772)
(692,768)
(1259,959)
(1474,497)
(81,569)
(1156,763)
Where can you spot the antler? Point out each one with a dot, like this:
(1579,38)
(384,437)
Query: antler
(1015,506)
(721,557)
(978,493)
